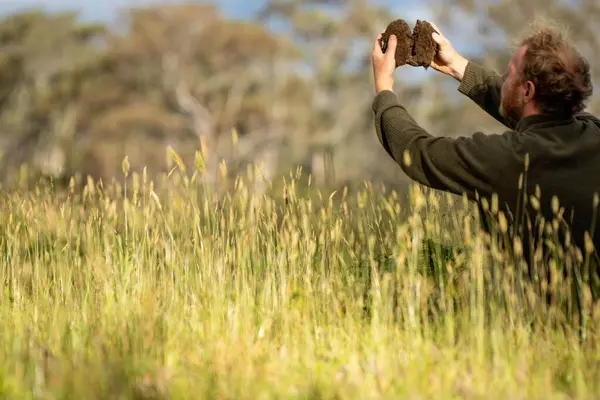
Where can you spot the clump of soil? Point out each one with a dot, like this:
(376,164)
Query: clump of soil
(404,47)
(415,48)
(424,47)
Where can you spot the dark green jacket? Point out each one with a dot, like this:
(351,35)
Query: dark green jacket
(564,155)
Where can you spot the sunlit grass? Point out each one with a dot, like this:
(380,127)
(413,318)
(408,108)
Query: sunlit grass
(185,293)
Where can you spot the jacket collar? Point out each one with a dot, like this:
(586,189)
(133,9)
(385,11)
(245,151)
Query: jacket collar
(527,122)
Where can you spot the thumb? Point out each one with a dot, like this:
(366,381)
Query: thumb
(391,50)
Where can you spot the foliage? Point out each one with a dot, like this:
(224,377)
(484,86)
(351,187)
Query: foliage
(291,87)
(173,292)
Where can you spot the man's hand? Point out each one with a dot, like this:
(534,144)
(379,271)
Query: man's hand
(384,65)
(447,60)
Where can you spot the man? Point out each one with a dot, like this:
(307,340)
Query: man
(549,139)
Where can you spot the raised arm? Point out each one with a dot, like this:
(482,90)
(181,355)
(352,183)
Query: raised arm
(471,165)
(460,165)
(479,84)
(484,88)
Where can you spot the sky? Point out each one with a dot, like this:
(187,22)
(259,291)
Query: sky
(106,10)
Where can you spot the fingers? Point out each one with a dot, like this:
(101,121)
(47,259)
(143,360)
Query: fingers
(377,46)
(435,27)
(438,39)
(437,36)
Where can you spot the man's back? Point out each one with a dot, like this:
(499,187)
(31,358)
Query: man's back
(563,163)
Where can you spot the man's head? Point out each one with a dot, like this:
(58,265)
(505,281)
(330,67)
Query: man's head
(546,75)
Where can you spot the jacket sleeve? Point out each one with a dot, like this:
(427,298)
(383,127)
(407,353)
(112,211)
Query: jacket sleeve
(484,88)
(471,165)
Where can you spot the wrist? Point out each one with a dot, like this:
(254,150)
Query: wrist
(458,68)
(383,84)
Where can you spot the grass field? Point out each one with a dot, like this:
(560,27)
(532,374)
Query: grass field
(172,294)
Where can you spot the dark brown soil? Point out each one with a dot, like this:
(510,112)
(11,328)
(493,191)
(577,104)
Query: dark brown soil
(424,47)
(405,42)
(415,48)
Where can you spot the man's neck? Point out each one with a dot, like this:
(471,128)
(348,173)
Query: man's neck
(530,110)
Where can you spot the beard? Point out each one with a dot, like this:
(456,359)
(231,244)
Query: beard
(511,107)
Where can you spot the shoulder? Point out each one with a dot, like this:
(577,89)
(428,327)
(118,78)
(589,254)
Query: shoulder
(497,151)
(508,139)
(586,116)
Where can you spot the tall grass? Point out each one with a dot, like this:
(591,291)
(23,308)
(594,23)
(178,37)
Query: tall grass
(128,291)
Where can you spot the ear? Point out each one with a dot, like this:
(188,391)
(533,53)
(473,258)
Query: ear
(529,91)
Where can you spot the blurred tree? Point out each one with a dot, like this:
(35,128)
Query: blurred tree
(181,75)
(41,57)
(335,39)
(295,84)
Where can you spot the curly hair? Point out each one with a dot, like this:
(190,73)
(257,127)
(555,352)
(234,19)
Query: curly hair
(560,74)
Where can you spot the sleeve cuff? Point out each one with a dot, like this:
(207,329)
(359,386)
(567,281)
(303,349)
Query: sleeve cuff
(472,79)
(384,100)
